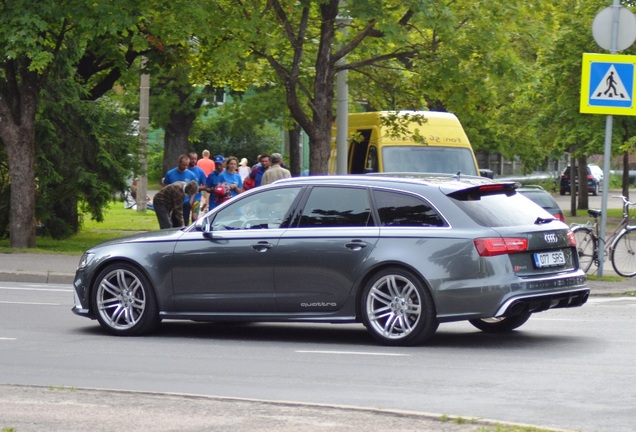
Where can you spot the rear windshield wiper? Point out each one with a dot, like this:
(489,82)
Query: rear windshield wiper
(541,221)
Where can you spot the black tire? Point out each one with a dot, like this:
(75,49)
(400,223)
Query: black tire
(595,190)
(124,301)
(586,244)
(398,309)
(624,254)
(501,325)
(562,192)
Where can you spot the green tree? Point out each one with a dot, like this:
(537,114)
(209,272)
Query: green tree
(551,100)
(35,37)
(304,49)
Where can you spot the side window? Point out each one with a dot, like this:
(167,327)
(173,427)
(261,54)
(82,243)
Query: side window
(264,210)
(337,207)
(396,209)
(372,160)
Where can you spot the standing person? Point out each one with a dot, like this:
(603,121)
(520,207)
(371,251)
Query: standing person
(195,206)
(205,163)
(243,170)
(213,180)
(181,173)
(231,179)
(275,171)
(168,203)
(259,169)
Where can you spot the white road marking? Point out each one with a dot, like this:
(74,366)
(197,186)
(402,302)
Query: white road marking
(353,353)
(36,289)
(31,303)
(7,339)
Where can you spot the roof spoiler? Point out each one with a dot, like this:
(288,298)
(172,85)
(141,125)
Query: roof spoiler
(474,193)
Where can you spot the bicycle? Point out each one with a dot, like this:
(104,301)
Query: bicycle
(621,244)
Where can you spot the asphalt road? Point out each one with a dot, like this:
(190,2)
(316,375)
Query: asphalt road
(569,369)
(594,202)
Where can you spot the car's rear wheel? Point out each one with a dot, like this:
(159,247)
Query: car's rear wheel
(398,309)
(124,301)
(501,325)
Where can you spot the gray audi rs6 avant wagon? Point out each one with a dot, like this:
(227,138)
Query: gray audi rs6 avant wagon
(399,254)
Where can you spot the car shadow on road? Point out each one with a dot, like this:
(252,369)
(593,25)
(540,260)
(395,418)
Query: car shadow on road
(356,334)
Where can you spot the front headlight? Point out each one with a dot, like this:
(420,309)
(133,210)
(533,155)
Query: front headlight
(85,260)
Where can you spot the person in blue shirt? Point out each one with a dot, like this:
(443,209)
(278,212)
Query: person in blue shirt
(195,206)
(181,173)
(231,178)
(213,179)
(259,169)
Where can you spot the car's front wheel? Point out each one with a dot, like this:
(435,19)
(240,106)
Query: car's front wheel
(501,325)
(398,309)
(124,301)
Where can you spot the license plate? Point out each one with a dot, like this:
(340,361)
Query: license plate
(549,259)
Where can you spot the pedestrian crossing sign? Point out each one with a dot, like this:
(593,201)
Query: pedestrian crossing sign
(607,84)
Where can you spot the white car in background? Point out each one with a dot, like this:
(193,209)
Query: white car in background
(597,172)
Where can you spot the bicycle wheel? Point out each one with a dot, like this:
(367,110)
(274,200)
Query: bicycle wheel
(586,244)
(624,254)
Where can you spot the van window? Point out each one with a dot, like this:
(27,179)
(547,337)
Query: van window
(372,160)
(449,160)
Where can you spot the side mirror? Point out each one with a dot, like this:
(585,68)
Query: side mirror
(486,173)
(205,227)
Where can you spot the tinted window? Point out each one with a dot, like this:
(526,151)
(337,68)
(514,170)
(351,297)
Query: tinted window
(500,210)
(397,209)
(264,210)
(337,207)
(542,198)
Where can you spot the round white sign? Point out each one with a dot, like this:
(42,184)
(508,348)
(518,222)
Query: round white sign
(602,28)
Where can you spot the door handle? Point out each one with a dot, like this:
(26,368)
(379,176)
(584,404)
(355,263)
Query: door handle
(356,245)
(262,246)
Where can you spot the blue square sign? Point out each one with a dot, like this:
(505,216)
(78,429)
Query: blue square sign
(607,85)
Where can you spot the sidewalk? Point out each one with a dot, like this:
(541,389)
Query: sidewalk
(60,269)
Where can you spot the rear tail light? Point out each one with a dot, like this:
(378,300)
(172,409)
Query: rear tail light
(500,245)
(590,177)
(572,238)
(559,216)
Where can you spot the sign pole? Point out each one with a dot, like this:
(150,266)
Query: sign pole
(607,155)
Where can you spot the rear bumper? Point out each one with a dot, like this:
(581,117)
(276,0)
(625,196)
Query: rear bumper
(544,301)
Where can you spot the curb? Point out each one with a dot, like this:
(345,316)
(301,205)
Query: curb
(37,277)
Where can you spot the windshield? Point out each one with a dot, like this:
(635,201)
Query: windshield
(432,159)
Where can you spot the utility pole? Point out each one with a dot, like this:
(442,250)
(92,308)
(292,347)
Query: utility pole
(144,122)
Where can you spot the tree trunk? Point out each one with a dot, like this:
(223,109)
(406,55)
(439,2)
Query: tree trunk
(583,189)
(17,131)
(175,142)
(572,186)
(295,162)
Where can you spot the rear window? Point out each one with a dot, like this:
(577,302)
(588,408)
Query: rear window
(501,210)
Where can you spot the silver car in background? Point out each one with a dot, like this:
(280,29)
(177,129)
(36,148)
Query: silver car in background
(400,255)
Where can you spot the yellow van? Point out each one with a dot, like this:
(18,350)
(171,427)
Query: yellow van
(437,145)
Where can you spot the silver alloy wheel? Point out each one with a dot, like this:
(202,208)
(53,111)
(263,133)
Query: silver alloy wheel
(121,299)
(393,306)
